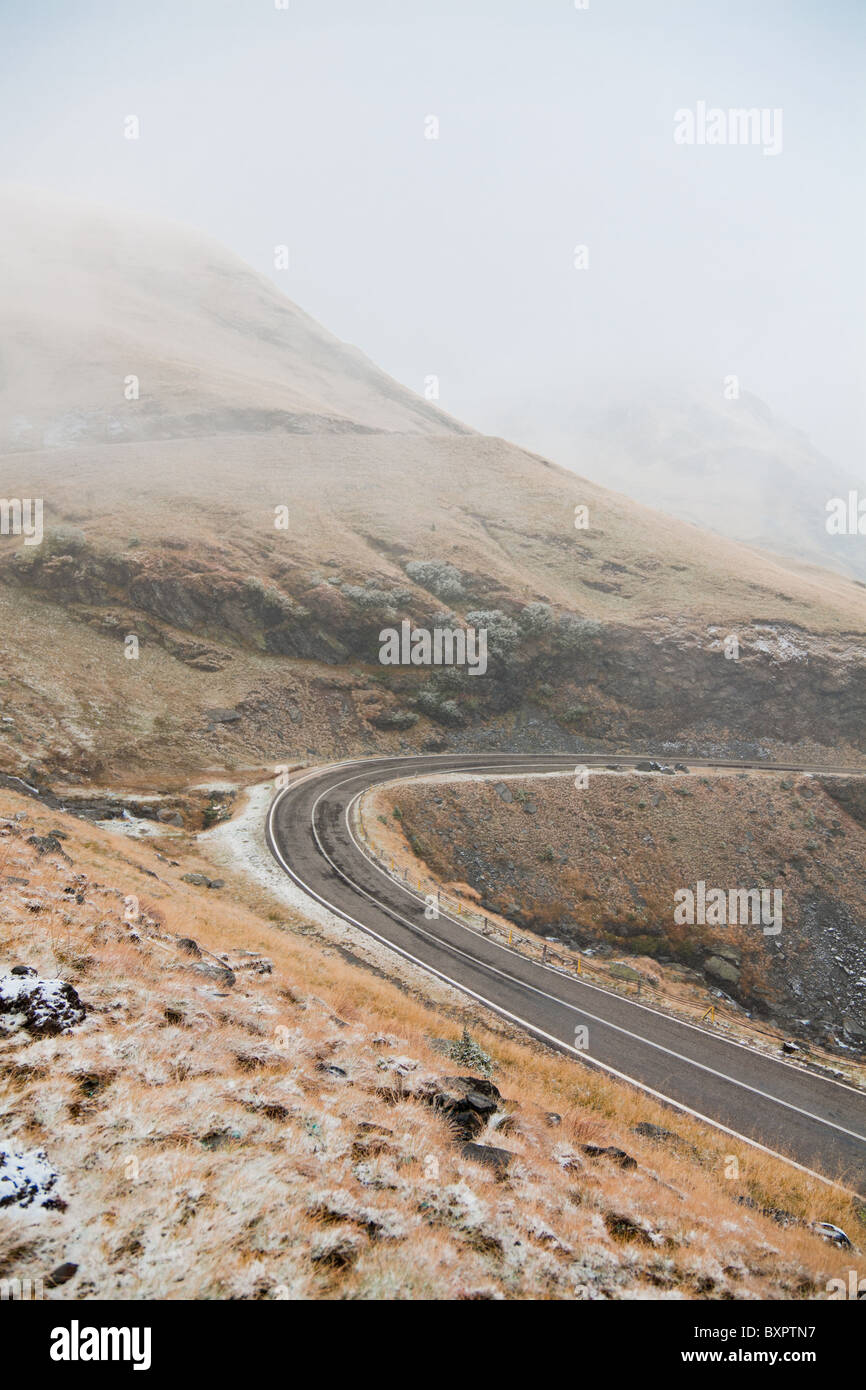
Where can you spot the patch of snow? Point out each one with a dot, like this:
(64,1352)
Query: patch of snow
(135,828)
(27,1178)
(42,1006)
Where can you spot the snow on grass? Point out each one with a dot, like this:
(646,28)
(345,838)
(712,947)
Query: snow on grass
(42,1006)
(27,1179)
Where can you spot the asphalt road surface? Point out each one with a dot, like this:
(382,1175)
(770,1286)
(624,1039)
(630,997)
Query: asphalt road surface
(816,1122)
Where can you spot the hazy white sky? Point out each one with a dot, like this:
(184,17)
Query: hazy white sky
(454,256)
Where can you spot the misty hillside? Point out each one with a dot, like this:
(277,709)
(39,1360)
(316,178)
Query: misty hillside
(259,643)
(732,466)
(91,298)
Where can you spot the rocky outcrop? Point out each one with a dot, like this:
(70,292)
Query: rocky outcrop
(468,1101)
(648,682)
(725,971)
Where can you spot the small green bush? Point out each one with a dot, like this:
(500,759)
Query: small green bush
(466,1052)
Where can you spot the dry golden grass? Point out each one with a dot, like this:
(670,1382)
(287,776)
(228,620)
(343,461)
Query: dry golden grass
(205,1153)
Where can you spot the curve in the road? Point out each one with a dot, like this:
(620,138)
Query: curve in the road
(815,1122)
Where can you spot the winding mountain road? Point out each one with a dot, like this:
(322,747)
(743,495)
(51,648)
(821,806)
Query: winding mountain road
(818,1123)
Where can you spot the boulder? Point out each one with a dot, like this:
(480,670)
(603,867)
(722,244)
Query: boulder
(489,1155)
(618,1156)
(720,969)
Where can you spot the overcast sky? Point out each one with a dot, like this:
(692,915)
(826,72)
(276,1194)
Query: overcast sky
(455,256)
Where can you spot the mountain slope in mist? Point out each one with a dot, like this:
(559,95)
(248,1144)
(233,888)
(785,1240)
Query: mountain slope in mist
(732,466)
(260,642)
(94,298)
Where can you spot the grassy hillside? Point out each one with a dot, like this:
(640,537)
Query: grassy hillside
(244,1112)
(258,640)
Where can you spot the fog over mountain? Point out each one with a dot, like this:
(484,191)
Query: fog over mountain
(453,257)
(125,327)
(727,463)
(167,402)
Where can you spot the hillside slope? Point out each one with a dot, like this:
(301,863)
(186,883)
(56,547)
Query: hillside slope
(259,642)
(224,1109)
(93,297)
(732,466)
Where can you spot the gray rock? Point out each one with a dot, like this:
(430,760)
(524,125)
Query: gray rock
(489,1155)
(618,1156)
(721,969)
(656,1132)
(61,1275)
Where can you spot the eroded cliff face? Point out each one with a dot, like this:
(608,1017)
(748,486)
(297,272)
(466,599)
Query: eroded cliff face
(289,663)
